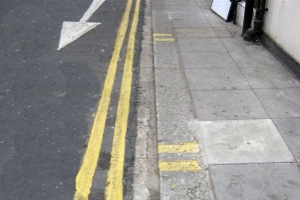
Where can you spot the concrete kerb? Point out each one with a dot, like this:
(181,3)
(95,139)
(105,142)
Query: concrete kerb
(146,180)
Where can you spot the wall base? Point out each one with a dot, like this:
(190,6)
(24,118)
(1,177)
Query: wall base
(284,57)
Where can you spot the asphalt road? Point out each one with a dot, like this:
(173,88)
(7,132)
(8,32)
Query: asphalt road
(48,98)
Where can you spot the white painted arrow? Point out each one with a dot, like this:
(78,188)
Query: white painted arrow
(71,31)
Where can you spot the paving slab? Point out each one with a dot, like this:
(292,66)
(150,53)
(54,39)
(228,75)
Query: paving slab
(165,55)
(227,105)
(161,23)
(171,79)
(243,59)
(222,32)
(181,3)
(290,131)
(185,12)
(195,33)
(203,44)
(190,23)
(243,141)
(280,103)
(216,79)
(207,60)
(173,115)
(213,19)
(269,77)
(256,181)
(184,185)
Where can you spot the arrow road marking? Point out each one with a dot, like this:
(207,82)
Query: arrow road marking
(71,31)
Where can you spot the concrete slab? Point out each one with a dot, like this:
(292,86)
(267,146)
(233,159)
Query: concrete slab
(216,79)
(185,12)
(227,105)
(193,33)
(280,103)
(256,181)
(203,4)
(237,44)
(242,59)
(243,141)
(170,79)
(184,185)
(199,60)
(161,23)
(213,19)
(190,23)
(207,44)
(290,131)
(269,77)
(165,55)
(181,3)
(174,115)
(222,32)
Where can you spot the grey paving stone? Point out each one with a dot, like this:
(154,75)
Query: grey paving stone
(222,32)
(243,59)
(174,115)
(213,19)
(290,131)
(181,3)
(269,77)
(207,60)
(195,33)
(203,3)
(264,57)
(165,55)
(190,23)
(227,105)
(203,44)
(188,9)
(184,185)
(256,181)
(237,44)
(243,141)
(211,79)
(280,103)
(161,23)
(171,79)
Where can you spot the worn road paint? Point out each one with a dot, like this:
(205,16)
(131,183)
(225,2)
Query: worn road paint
(164,39)
(114,190)
(71,31)
(187,147)
(161,37)
(180,165)
(86,173)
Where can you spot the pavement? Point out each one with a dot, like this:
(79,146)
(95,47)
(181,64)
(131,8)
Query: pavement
(218,117)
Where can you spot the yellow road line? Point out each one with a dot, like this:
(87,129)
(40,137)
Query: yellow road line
(114,190)
(86,173)
(180,165)
(187,147)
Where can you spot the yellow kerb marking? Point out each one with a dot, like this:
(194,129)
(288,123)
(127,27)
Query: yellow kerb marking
(187,147)
(86,173)
(114,189)
(164,39)
(162,35)
(180,165)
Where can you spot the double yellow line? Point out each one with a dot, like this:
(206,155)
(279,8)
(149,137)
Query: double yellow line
(84,179)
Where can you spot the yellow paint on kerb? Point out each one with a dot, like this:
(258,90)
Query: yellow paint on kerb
(180,165)
(161,37)
(86,173)
(164,39)
(187,147)
(114,189)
